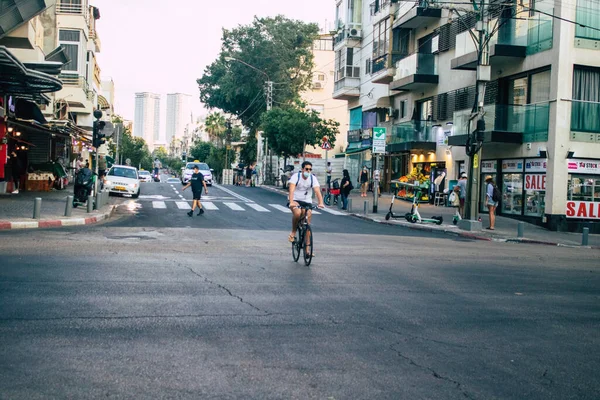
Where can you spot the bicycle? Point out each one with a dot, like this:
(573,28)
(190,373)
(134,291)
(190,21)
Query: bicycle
(332,191)
(304,237)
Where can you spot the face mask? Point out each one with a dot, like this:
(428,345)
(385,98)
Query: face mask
(306,174)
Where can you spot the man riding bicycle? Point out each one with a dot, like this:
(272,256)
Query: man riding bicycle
(157,165)
(301,190)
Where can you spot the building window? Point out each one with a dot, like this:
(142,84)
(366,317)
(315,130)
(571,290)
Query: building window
(70,41)
(585,107)
(588,20)
(368,66)
(323,45)
(402,110)
(380,38)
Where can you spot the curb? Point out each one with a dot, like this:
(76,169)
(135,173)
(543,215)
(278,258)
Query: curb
(57,223)
(456,233)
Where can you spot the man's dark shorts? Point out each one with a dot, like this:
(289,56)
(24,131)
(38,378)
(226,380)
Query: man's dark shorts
(196,194)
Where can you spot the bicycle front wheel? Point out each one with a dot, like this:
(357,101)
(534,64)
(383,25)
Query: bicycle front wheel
(327,199)
(297,245)
(308,245)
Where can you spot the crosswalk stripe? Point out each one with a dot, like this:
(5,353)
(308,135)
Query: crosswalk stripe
(234,206)
(257,207)
(209,205)
(332,211)
(315,212)
(183,205)
(159,204)
(281,208)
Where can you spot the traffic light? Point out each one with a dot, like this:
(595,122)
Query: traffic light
(98,136)
(480,129)
(184,157)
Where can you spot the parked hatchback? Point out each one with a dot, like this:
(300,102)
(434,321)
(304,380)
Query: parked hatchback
(122,179)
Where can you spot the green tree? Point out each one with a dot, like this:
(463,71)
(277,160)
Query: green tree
(161,153)
(248,152)
(201,150)
(290,129)
(136,149)
(215,125)
(279,47)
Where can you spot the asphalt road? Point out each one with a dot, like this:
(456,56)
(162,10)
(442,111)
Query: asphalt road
(155,304)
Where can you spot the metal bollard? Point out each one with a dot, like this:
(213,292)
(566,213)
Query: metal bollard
(349,205)
(366,207)
(520,229)
(584,237)
(90,203)
(69,206)
(37,207)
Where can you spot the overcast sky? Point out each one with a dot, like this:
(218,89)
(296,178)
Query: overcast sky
(163,47)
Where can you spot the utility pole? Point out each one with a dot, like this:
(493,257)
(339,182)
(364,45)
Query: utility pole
(475,137)
(269,98)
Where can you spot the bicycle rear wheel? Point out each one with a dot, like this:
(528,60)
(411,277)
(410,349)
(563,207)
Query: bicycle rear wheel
(307,246)
(297,245)
(327,199)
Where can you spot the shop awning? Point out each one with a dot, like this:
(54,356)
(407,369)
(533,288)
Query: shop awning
(17,79)
(103,103)
(356,147)
(382,102)
(408,146)
(15,13)
(489,137)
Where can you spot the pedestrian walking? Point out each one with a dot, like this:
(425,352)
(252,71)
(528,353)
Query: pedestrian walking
(240,175)
(493,197)
(462,196)
(249,170)
(78,164)
(328,172)
(346,186)
(16,167)
(364,181)
(196,182)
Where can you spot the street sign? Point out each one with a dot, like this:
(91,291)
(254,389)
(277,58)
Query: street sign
(379,135)
(326,146)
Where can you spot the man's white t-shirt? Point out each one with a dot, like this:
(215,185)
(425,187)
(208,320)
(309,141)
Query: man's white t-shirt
(303,190)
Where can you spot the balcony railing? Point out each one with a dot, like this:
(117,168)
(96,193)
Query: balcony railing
(70,8)
(532,120)
(412,131)
(348,71)
(539,34)
(585,116)
(418,63)
(77,81)
(379,64)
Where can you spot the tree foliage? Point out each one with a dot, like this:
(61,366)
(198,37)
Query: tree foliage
(215,125)
(278,47)
(248,151)
(161,154)
(290,129)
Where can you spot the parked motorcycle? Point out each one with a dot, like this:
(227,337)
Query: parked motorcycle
(84,186)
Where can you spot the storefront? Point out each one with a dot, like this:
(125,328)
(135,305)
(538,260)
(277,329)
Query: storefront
(583,194)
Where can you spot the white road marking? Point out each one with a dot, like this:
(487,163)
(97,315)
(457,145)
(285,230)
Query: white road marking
(332,211)
(257,207)
(315,212)
(234,194)
(183,205)
(159,204)
(234,206)
(281,208)
(209,205)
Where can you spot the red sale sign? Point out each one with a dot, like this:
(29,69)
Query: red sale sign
(583,209)
(535,182)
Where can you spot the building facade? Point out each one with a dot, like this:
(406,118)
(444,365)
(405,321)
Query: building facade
(411,67)
(147,119)
(179,115)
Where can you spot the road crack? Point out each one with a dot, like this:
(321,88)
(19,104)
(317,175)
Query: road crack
(430,370)
(229,292)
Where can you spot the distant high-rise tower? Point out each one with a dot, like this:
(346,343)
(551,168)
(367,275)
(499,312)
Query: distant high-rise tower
(147,118)
(178,114)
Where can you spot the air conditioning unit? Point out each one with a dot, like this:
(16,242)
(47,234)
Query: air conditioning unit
(355,33)
(317,85)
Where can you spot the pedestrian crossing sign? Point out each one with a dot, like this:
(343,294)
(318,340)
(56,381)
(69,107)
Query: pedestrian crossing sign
(326,146)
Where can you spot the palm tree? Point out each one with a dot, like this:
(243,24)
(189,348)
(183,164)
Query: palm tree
(215,126)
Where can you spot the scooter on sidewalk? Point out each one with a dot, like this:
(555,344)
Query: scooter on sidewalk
(414,216)
(390,213)
(84,186)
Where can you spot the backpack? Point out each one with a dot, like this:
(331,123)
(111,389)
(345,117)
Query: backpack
(336,184)
(350,185)
(496,195)
(311,179)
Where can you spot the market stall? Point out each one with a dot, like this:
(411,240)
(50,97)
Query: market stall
(405,186)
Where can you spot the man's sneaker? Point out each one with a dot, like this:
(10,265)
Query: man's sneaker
(15,191)
(201,211)
(191,213)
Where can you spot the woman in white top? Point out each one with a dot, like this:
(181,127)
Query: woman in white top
(491,204)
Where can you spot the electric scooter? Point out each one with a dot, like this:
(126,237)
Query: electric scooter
(390,213)
(414,215)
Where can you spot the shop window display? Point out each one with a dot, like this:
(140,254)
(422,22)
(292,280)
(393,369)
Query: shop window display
(512,194)
(584,188)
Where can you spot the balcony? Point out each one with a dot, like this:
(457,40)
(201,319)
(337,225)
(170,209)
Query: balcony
(347,83)
(382,70)
(585,121)
(411,135)
(410,17)
(71,8)
(415,72)
(510,124)
(506,47)
(76,98)
(350,36)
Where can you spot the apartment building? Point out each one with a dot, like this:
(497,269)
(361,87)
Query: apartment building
(147,119)
(411,67)
(179,115)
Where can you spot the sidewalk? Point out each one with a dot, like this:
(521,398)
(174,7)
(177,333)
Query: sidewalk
(16,211)
(506,228)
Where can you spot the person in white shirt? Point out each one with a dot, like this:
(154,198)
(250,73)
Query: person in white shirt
(301,191)
(328,172)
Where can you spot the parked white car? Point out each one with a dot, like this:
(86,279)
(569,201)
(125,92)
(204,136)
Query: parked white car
(204,170)
(145,176)
(122,179)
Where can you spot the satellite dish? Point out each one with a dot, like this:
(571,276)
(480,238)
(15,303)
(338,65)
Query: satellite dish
(61,109)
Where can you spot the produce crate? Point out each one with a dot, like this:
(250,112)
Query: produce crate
(38,185)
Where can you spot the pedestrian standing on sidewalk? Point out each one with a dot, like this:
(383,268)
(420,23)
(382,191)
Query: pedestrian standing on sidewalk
(16,168)
(364,181)
(462,196)
(492,200)
(196,182)
(78,164)
(328,172)
(346,186)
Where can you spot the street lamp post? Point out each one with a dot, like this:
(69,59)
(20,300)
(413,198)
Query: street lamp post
(269,98)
